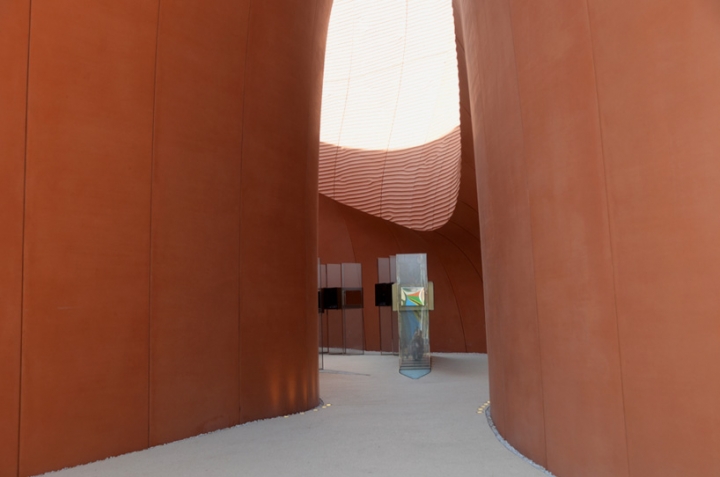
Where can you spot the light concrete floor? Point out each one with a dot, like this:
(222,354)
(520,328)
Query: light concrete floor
(375,422)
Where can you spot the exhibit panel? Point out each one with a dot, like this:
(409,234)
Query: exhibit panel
(322,319)
(332,301)
(321,270)
(341,302)
(352,302)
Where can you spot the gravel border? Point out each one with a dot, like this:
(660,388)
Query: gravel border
(510,447)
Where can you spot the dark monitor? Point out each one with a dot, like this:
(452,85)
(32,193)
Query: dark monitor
(332,298)
(383,294)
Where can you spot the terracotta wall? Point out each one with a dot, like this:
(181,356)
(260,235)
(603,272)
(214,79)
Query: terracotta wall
(14,15)
(595,132)
(159,232)
(595,125)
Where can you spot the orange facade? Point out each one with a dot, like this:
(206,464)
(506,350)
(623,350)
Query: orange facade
(156,201)
(596,133)
(159,211)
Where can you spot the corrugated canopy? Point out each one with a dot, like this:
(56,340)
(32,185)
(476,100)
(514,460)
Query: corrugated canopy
(390,136)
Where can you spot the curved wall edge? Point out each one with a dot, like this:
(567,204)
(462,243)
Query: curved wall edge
(591,122)
(416,187)
(169,225)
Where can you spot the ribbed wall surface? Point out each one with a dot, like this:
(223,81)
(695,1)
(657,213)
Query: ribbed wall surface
(415,187)
(390,136)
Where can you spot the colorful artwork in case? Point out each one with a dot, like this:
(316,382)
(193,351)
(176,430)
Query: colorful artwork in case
(412,296)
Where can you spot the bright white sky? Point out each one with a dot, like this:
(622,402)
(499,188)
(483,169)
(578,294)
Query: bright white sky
(391,77)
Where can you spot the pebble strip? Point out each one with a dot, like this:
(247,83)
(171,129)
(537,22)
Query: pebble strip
(511,448)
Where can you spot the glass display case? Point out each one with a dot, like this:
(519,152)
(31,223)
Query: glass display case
(413,301)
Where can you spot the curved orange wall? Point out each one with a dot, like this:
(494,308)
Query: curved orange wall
(596,131)
(416,186)
(14,15)
(167,216)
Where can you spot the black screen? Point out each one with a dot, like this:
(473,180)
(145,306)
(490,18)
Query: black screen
(383,294)
(331,298)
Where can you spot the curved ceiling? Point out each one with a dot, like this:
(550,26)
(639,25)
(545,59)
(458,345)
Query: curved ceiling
(390,136)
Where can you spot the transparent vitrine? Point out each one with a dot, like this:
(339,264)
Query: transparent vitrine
(352,301)
(388,321)
(413,297)
(320,283)
(334,329)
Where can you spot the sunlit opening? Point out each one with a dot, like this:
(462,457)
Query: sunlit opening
(390,136)
(391,77)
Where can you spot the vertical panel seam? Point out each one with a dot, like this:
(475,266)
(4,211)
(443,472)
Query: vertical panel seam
(308,202)
(240,214)
(610,234)
(150,228)
(497,331)
(532,238)
(22,250)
